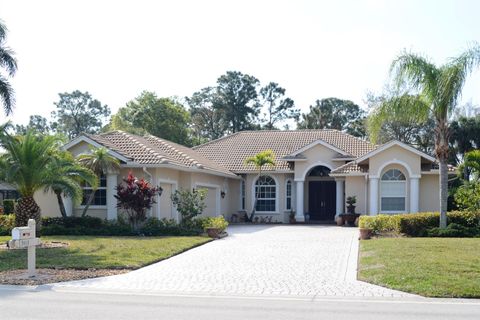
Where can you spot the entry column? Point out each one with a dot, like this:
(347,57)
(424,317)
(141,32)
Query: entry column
(414,194)
(300,215)
(373,196)
(339,196)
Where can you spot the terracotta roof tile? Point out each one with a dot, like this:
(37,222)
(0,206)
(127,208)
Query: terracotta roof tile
(231,151)
(154,150)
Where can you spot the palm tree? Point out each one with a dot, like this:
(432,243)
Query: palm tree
(436,90)
(72,174)
(27,165)
(9,63)
(471,164)
(101,163)
(259,160)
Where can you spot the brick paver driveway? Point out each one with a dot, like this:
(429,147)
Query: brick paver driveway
(255,260)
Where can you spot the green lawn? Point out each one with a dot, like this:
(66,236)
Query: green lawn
(101,252)
(434,267)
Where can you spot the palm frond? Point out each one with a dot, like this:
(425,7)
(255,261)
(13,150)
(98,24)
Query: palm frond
(7,60)
(405,108)
(6,95)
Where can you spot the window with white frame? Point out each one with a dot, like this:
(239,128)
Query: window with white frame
(266,193)
(100,198)
(242,194)
(288,195)
(393,191)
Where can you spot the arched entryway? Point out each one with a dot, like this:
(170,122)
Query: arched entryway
(321,194)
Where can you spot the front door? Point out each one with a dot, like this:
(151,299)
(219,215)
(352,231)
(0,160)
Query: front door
(321,200)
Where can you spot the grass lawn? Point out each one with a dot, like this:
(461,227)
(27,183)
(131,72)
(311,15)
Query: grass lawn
(100,252)
(434,267)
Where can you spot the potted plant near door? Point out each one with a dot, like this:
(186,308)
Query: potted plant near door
(350,216)
(291,217)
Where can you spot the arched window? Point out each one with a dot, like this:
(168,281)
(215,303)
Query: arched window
(393,191)
(288,195)
(266,193)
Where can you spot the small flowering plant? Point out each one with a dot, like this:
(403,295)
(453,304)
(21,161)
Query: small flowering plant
(136,196)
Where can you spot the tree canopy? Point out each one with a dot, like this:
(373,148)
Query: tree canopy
(78,112)
(162,117)
(8,63)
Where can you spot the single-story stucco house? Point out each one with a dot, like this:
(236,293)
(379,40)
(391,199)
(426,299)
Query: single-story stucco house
(314,173)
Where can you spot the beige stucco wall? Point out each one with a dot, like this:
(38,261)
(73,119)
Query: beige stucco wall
(429,193)
(317,155)
(355,186)
(395,154)
(81,147)
(47,203)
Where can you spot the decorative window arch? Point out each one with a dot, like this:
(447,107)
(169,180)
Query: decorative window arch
(393,191)
(288,194)
(266,193)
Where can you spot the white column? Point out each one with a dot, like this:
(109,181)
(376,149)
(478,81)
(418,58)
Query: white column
(339,196)
(414,194)
(68,203)
(299,213)
(373,196)
(111,201)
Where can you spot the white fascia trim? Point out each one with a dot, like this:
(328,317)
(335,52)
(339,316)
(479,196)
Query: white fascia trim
(263,172)
(391,144)
(321,142)
(359,174)
(343,159)
(293,159)
(83,138)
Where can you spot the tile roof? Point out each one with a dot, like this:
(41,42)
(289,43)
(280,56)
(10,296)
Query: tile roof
(153,150)
(348,168)
(231,151)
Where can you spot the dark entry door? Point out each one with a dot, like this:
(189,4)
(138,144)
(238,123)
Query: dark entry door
(321,200)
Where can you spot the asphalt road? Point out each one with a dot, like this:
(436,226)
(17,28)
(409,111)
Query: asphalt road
(51,305)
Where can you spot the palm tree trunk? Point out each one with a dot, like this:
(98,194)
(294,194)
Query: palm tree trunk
(441,150)
(27,208)
(87,205)
(256,197)
(61,205)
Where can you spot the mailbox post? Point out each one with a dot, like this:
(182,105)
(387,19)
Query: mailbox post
(25,237)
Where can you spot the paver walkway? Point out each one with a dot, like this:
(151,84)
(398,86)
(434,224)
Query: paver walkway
(255,260)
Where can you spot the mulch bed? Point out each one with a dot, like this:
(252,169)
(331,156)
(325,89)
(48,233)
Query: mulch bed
(43,245)
(44,276)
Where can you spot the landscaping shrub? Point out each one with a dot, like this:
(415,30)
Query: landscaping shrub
(7,223)
(454,230)
(169,227)
(418,224)
(189,203)
(9,206)
(215,222)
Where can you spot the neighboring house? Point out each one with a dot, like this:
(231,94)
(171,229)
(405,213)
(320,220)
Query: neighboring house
(7,192)
(315,171)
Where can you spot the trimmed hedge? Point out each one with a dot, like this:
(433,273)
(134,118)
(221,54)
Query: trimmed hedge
(9,206)
(418,224)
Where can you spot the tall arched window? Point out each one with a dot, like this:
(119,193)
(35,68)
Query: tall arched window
(288,195)
(266,193)
(393,191)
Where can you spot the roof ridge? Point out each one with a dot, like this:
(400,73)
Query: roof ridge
(216,140)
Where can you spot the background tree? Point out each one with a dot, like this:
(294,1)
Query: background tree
(27,165)
(208,122)
(333,113)
(78,112)
(396,124)
(259,160)
(122,121)
(161,117)
(438,89)
(277,107)
(136,197)
(237,98)
(37,123)
(8,63)
(101,163)
(464,137)
(467,196)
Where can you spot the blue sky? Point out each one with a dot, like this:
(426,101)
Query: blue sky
(315,49)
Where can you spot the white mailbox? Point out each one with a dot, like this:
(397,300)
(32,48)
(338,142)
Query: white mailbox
(25,237)
(22,233)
